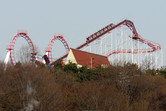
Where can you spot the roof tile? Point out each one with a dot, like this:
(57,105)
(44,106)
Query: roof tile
(89,59)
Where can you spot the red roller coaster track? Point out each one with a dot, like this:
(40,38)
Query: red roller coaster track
(12,43)
(49,49)
(135,36)
(154,46)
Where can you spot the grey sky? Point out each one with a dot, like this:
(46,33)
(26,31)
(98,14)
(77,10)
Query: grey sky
(77,19)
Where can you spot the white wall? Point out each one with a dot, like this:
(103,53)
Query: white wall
(71,58)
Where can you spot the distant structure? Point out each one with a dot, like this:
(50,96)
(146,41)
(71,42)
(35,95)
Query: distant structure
(10,50)
(82,58)
(120,42)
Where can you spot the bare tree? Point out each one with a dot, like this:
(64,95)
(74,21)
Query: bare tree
(24,54)
(148,63)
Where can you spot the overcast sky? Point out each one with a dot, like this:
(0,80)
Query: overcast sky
(77,19)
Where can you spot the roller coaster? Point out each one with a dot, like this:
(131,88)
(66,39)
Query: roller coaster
(124,46)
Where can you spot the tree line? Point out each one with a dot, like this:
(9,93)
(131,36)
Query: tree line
(26,87)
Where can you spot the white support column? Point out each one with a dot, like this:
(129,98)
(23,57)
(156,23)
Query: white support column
(96,46)
(126,48)
(90,50)
(105,49)
(121,58)
(101,43)
(6,59)
(156,59)
(117,49)
(141,58)
(132,52)
(138,55)
(151,61)
(111,44)
(161,58)
(110,48)
(135,55)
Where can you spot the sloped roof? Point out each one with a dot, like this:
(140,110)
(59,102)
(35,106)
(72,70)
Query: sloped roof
(89,59)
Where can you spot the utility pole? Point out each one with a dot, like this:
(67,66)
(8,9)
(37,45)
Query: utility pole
(91,62)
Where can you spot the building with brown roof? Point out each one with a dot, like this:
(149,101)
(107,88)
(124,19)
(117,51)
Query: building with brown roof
(82,58)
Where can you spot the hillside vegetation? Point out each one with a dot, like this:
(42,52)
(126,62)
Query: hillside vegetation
(68,88)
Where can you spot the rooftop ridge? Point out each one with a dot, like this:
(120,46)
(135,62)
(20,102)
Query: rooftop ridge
(88,52)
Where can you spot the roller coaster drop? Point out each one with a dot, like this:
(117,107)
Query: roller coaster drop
(154,47)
